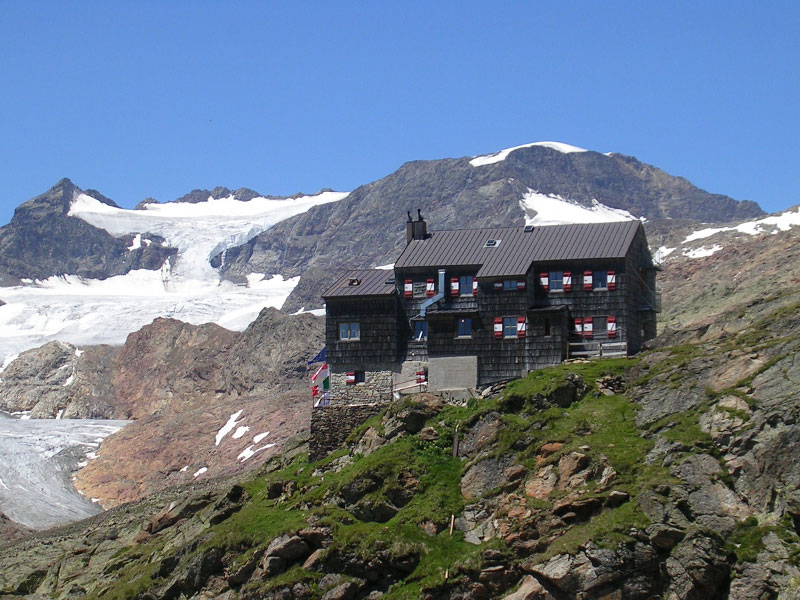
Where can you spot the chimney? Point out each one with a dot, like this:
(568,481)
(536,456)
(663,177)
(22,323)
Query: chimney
(416,230)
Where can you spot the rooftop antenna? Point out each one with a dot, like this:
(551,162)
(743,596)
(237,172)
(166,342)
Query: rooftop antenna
(409,216)
(419,214)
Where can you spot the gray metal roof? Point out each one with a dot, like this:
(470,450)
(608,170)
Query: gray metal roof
(370,282)
(517,248)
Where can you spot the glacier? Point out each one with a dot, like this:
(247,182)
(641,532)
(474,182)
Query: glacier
(91,311)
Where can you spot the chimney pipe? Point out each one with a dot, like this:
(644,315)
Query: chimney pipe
(416,230)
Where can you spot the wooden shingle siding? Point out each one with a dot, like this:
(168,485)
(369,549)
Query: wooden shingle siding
(380,330)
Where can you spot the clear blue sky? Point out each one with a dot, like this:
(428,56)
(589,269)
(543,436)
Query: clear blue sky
(157,98)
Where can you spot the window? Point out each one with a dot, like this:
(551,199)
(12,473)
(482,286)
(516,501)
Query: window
(465,327)
(420,289)
(354,377)
(509,327)
(600,280)
(420,330)
(465,285)
(547,327)
(556,281)
(349,331)
(510,284)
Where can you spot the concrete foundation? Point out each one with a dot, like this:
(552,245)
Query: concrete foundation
(453,373)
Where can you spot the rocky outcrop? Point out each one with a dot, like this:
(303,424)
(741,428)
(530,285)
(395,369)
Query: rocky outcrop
(360,231)
(43,240)
(182,383)
(552,488)
(11,530)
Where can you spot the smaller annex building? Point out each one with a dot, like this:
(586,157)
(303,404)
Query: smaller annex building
(466,308)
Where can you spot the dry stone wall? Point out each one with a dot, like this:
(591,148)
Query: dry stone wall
(330,426)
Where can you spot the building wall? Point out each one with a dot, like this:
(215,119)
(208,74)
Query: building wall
(598,304)
(382,332)
(376,388)
(640,296)
(547,348)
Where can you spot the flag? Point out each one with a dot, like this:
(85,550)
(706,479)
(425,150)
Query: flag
(324,400)
(322,373)
(318,358)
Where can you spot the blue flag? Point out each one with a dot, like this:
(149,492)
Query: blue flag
(318,358)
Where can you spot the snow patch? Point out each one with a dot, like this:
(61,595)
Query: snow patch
(68,381)
(240,432)
(60,413)
(662,253)
(199,472)
(550,209)
(702,251)
(259,437)
(489,159)
(228,427)
(136,243)
(249,452)
(184,469)
(386,267)
(317,312)
(91,455)
(782,222)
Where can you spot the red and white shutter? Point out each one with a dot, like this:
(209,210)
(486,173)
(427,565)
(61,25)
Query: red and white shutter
(579,326)
(430,288)
(498,327)
(498,286)
(544,281)
(522,327)
(454,286)
(612,280)
(567,281)
(521,284)
(587,281)
(421,377)
(474,287)
(612,327)
(587,328)
(408,288)
(351,378)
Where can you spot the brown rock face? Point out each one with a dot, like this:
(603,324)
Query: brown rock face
(207,401)
(169,363)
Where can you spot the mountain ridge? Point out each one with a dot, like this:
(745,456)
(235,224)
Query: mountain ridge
(367,227)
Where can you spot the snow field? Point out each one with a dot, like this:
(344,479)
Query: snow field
(89,311)
(548,209)
(489,159)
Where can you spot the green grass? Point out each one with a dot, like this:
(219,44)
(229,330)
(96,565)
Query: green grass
(606,424)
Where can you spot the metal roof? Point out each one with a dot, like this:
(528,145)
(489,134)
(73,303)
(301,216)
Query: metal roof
(362,282)
(517,248)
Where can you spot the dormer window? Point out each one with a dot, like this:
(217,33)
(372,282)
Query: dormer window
(492,243)
(353,281)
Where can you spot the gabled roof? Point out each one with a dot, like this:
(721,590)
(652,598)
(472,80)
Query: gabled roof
(516,248)
(363,282)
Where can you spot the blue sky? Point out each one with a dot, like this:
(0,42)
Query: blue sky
(157,98)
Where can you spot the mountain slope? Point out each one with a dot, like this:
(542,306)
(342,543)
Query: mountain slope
(182,383)
(667,476)
(43,240)
(367,227)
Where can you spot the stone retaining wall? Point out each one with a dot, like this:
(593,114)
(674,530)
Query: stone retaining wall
(330,426)
(376,388)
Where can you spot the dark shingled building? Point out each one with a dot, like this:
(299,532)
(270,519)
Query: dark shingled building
(466,308)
